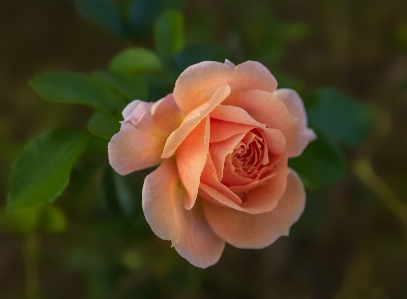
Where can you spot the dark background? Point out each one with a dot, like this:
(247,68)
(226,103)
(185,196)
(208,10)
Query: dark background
(348,244)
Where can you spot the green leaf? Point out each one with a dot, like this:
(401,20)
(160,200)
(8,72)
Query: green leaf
(41,172)
(340,117)
(23,221)
(103,125)
(131,86)
(52,220)
(74,88)
(135,60)
(143,13)
(169,32)
(321,163)
(102,12)
(121,194)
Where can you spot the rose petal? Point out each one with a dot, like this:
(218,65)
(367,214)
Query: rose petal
(221,130)
(219,150)
(198,83)
(140,142)
(191,158)
(275,140)
(229,63)
(192,120)
(245,230)
(270,110)
(295,106)
(234,114)
(133,149)
(159,118)
(188,231)
(131,106)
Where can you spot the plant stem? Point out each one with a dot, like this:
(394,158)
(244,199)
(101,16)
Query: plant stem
(31,252)
(367,175)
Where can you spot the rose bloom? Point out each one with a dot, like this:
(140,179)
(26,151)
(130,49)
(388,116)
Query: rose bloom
(222,141)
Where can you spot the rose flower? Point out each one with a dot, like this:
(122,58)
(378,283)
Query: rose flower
(222,141)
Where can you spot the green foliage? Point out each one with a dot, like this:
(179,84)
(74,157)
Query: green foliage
(321,163)
(41,172)
(103,125)
(142,14)
(169,32)
(102,12)
(131,86)
(74,88)
(340,117)
(120,194)
(135,60)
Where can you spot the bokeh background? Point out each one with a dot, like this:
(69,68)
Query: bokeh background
(351,241)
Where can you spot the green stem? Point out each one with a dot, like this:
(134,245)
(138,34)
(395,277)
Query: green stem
(31,252)
(367,175)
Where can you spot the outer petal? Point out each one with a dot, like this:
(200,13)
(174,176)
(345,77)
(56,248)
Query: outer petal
(140,141)
(191,158)
(198,83)
(245,230)
(295,106)
(132,149)
(270,110)
(188,230)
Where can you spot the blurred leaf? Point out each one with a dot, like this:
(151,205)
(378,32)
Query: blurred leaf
(340,117)
(75,88)
(143,13)
(120,193)
(169,32)
(131,86)
(135,60)
(321,163)
(401,36)
(295,31)
(197,53)
(23,221)
(103,125)
(52,220)
(102,12)
(41,172)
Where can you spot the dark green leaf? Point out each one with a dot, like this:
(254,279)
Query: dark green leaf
(102,12)
(122,195)
(340,117)
(74,88)
(135,60)
(142,14)
(321,163)
(52,220)
(103,125)
(131,86)
(169,32)
(41,172)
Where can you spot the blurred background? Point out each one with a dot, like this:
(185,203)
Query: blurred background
(351,241)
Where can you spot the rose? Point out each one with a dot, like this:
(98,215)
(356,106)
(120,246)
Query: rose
(223,139)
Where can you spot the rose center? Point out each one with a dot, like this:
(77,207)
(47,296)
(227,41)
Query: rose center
(250,155)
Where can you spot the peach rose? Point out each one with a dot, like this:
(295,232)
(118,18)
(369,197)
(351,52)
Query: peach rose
(222,139)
